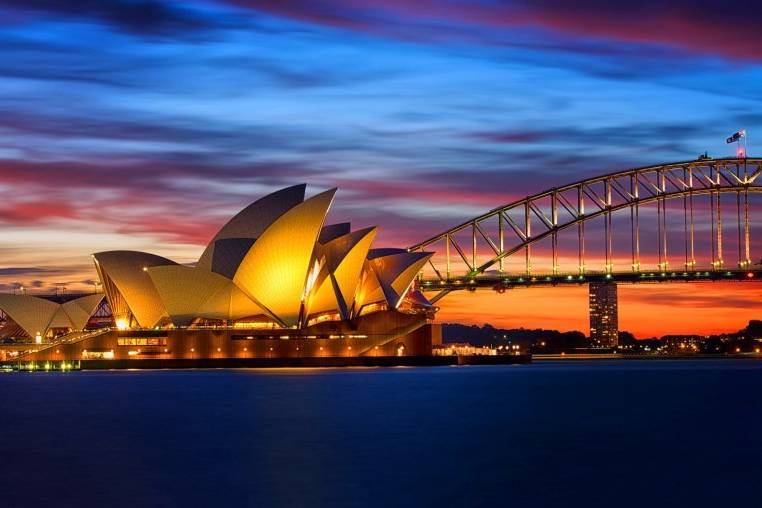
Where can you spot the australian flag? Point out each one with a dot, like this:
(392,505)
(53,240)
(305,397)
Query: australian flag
(736,136)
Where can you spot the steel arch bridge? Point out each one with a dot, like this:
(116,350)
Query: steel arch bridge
(683,198)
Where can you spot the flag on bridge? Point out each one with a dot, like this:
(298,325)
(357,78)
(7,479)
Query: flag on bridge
(736,136)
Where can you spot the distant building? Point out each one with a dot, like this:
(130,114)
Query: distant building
(604,323)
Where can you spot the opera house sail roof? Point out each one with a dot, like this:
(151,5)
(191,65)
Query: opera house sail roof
(275,264)
(32,316)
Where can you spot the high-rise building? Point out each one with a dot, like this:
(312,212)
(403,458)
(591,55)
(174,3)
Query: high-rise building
(604,323)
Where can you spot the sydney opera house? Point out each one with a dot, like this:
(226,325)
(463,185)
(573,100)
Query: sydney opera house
(274,283)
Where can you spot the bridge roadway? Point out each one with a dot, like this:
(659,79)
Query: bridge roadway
(501,282)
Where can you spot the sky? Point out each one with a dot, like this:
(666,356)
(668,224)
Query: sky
(144,125)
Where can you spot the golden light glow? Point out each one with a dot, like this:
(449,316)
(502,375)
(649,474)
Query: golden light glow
(373,307)
(330,316)
(254,325)
(274,271)
(345,259)
(190,293)
(128,286)
(369,292)
(184,290)
(312,277)
(323,299)
(98,355)
(252,221)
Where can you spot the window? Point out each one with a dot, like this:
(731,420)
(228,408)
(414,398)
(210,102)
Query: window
(97,355)
(142,341)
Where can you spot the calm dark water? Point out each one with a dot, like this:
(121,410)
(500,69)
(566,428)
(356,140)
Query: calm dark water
(651,433)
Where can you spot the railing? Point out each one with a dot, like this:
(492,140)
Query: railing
(67,338)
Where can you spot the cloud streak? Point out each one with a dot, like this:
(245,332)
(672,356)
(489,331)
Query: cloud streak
(145,17)
(696,27)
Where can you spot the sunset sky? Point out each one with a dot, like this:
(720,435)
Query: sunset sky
(144,125)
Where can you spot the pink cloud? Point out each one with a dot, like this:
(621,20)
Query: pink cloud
(26,212)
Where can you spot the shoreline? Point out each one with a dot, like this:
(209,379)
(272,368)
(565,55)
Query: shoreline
(265,363)
(611,356)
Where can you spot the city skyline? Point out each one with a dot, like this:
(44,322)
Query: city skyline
(424,116)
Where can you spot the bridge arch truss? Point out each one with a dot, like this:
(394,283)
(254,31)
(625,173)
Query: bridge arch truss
(477,250)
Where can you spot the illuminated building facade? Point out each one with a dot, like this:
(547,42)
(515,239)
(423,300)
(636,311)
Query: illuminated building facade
(274,282)
(604,322)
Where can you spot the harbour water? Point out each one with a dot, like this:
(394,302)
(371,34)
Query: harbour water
(597,433)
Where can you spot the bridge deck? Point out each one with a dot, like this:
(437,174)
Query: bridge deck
(501,282)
